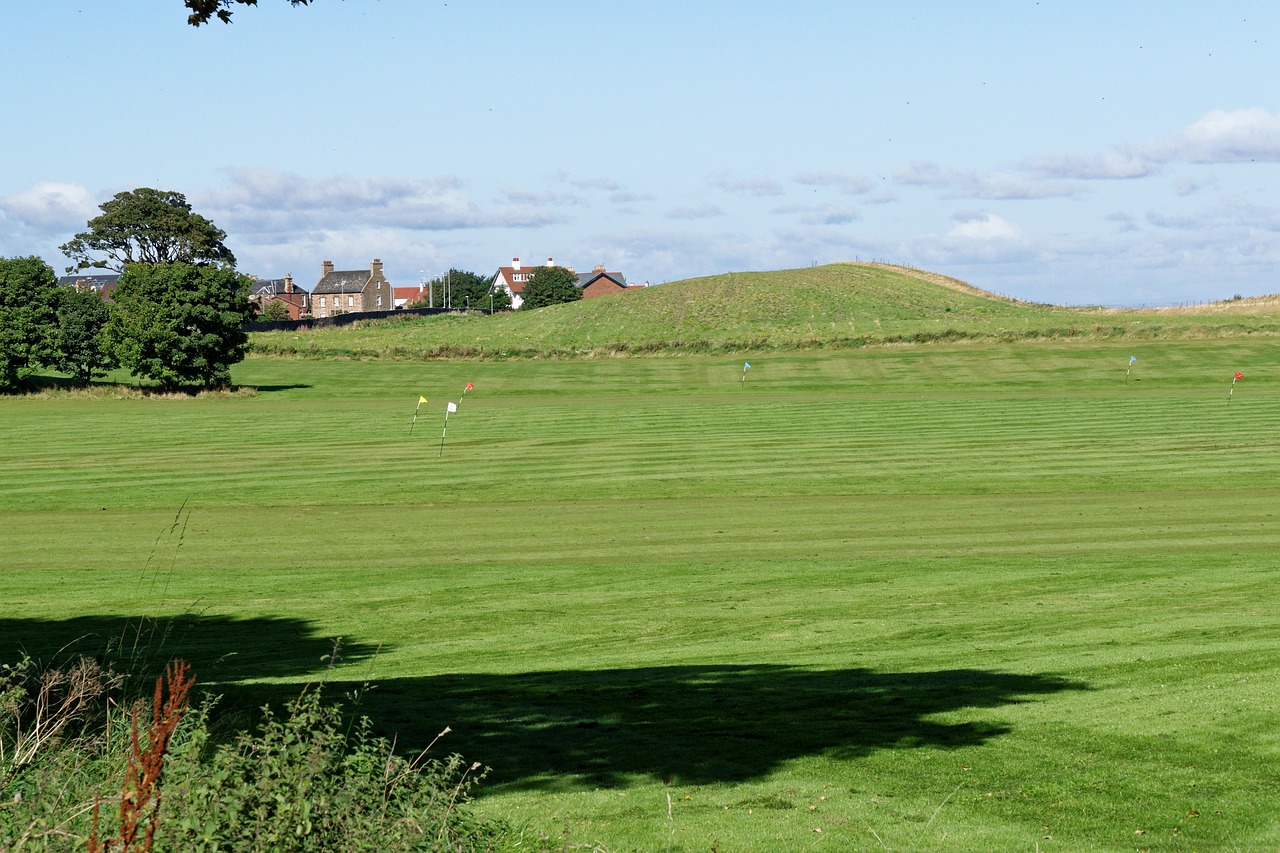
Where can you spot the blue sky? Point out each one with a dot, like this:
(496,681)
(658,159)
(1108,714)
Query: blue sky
(1061,151)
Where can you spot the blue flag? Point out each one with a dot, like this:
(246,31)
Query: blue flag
(745,365)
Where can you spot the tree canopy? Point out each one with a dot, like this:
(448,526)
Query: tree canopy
(180,324)
(147,226)
(28,318)
(550,286)
(78,348)
(462,288)
(203,10)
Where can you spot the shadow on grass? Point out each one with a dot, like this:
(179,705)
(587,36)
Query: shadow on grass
(220,649)
(574,729)
(271,389)
(690,724)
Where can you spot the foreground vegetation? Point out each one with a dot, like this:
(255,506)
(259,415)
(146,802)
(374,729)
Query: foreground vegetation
(954,597)
(834,306)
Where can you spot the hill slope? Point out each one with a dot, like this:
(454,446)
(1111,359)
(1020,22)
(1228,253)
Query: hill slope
(844,304)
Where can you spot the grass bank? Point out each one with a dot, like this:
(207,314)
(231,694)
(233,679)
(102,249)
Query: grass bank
(837,306)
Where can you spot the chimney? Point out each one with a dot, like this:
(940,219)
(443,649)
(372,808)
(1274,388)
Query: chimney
(326,268)
(288,283)
(598,268)
(515,264)
(375,268)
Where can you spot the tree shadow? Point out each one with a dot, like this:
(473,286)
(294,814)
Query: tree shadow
(220,649)
(270,389)
(569,729)
(689,724)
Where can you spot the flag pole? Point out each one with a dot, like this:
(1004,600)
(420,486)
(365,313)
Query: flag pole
(745,365)
(448,408)
(1238,375)
(421,400)
(1132,359)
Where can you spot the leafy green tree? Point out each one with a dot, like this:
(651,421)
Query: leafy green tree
(274,310)
(462,288)
(550,286)
(497,299)
(147,226)
(180,324)
(78,343)
(28,318)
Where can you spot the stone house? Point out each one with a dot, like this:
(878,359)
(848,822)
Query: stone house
(351,291)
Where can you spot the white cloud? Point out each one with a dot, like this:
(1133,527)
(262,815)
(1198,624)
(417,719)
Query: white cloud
(1117,164)
(841,181)
(757,186)
(984,227)
(1230,136)
(702,211)
(998,185)
(518,195)
(1222,136)
(50,206)
(262,200)
(826,214)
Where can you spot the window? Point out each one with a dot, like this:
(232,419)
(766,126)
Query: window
(321,301)
(379,302)
(351,301)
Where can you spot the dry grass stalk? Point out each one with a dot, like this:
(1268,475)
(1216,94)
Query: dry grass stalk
(62,696)
(140,797)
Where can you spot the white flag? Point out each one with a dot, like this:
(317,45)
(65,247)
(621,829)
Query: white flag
(453,407)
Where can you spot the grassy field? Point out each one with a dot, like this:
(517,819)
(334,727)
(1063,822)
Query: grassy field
(966,596)
(836,305)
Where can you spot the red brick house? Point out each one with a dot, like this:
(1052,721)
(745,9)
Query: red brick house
(598,282)
(601,283)
(296,300)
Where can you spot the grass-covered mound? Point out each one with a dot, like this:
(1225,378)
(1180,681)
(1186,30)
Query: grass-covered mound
(837,305)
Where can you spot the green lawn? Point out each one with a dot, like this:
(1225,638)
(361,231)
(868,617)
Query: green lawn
(970,596)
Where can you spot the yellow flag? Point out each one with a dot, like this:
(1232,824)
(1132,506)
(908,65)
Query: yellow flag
(421,399)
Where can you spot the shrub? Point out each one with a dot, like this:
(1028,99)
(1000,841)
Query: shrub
(306,779)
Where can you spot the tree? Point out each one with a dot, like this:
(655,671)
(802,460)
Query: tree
(180,324)
(462,289)
(203,10)
(78,342)
(28,318)
(147,226)
(497,299)
(550,286)
(274,310)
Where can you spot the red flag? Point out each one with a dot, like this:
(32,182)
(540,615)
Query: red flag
(470,386)
(1239,376)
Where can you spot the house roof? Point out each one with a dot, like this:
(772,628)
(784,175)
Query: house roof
(343,281)
(97,282)
(507,275)
(585,279)
(272,287)
(410,293)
